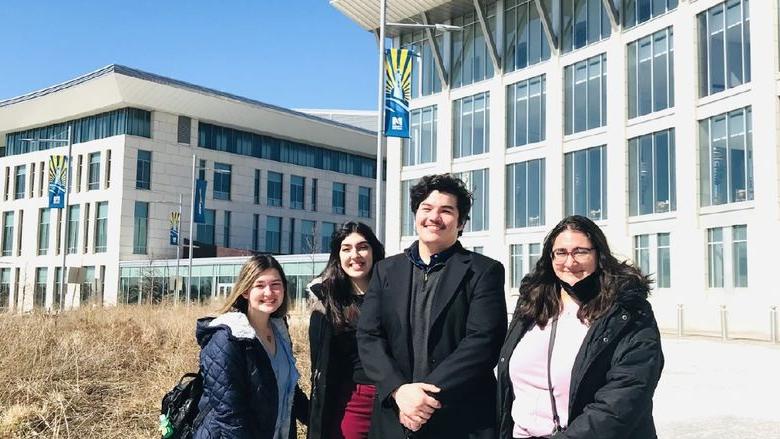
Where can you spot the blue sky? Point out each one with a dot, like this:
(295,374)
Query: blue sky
(295,53)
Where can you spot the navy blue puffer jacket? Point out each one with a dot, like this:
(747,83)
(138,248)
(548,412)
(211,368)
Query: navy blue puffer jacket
(239,386)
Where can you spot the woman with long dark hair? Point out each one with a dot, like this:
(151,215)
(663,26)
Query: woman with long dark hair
(582,356)
(342,397)
(249,376)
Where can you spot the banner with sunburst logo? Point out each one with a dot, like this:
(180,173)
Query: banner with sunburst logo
(58,178)
(398,91)
(175,220)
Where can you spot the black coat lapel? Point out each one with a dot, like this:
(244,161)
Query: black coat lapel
(454,271)
(400,290)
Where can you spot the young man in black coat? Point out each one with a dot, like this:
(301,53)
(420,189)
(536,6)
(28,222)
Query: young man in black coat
(432,325)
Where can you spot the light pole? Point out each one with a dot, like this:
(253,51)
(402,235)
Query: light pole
(381,106)
(63,288)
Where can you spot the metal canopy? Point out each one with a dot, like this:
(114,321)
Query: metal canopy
(366,12)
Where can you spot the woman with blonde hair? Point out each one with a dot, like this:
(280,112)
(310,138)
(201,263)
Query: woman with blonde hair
(249,376)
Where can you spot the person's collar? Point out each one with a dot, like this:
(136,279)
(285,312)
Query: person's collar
(413,253)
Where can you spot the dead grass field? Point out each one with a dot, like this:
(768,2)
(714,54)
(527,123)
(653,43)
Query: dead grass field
(101,372)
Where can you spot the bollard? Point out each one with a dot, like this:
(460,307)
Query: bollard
(724,324)
(773,323)
(680,330)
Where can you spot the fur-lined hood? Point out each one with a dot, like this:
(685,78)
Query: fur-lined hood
(316,295)
(237,325)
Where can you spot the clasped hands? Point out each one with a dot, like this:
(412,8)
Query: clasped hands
(415,405)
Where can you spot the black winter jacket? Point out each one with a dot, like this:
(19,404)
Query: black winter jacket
(613,379)
(320,336)
(239,386)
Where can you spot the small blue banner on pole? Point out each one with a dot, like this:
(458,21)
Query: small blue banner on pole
(58,179)
(200,201)
(175,221)
(398,91)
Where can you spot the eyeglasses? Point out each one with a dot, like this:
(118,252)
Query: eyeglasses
(579,254)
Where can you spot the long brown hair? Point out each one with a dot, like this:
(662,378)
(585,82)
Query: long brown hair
(246,279)
(540,300)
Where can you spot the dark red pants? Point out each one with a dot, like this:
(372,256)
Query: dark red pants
(352,414)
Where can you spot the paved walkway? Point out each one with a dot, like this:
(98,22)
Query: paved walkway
(718,390)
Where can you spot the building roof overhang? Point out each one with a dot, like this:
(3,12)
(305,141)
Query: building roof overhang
(366,12)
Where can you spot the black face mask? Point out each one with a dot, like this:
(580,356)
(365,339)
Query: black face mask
(584,290)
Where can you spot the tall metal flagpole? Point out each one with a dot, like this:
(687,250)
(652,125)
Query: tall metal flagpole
(380,121)
(192,220)
(177,283)
(63,287)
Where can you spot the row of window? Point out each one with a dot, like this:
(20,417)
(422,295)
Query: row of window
(25,187)
(726,173)
(129,121)
(222,187)
(87,289)
(652,254)
(724,49)
(94,224)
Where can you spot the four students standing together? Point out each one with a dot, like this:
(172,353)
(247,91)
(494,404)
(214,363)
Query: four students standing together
(406,346)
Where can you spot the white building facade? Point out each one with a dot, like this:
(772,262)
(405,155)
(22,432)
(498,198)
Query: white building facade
(648,116)
(278,181)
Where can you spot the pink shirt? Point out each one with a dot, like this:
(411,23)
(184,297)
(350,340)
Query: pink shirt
(531,409)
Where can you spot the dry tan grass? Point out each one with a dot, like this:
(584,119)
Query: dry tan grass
(100,372)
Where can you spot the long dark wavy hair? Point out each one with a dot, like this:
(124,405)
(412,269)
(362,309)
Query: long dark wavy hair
(340,303)
(540,300)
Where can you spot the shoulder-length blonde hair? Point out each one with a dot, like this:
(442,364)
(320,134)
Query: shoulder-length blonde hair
(246,278)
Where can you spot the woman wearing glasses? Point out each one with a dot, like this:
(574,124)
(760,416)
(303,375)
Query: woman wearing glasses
(582,356)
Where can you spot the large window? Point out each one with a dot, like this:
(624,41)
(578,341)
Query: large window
(256,232)
(364,202)
(101,227)
(140,227)
(585,94)
(339,198)
(425,77)
(297,189)
(585,177)
(308,239)
(471,125)
(421,145)
(647,246)
(274,188)
(715,257)
(86,290)
(724,46)
(74,214)
(206,231)
(651,174)
(143,170)
(44,219)
(739,255)
(525,112)
(273,234)
(525,194)
(222,177)
(93,172)
(226,230)
(5,289)
(20,181)
(326,233)
(583,22)
(651,73)
(39,292)
(638,11)
(407,216)
(313,194)
(726,158)
(523,259)
(478,183)
(8,233)
(245,143)
(471,61)
(525,42)
(130,121)
(257,186)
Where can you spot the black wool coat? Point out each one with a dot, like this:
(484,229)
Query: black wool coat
(468,324)
(321,332)
(613,378)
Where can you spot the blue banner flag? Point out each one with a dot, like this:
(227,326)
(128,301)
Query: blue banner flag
(175,221)
(398,91)
(200,201)
(58,179)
